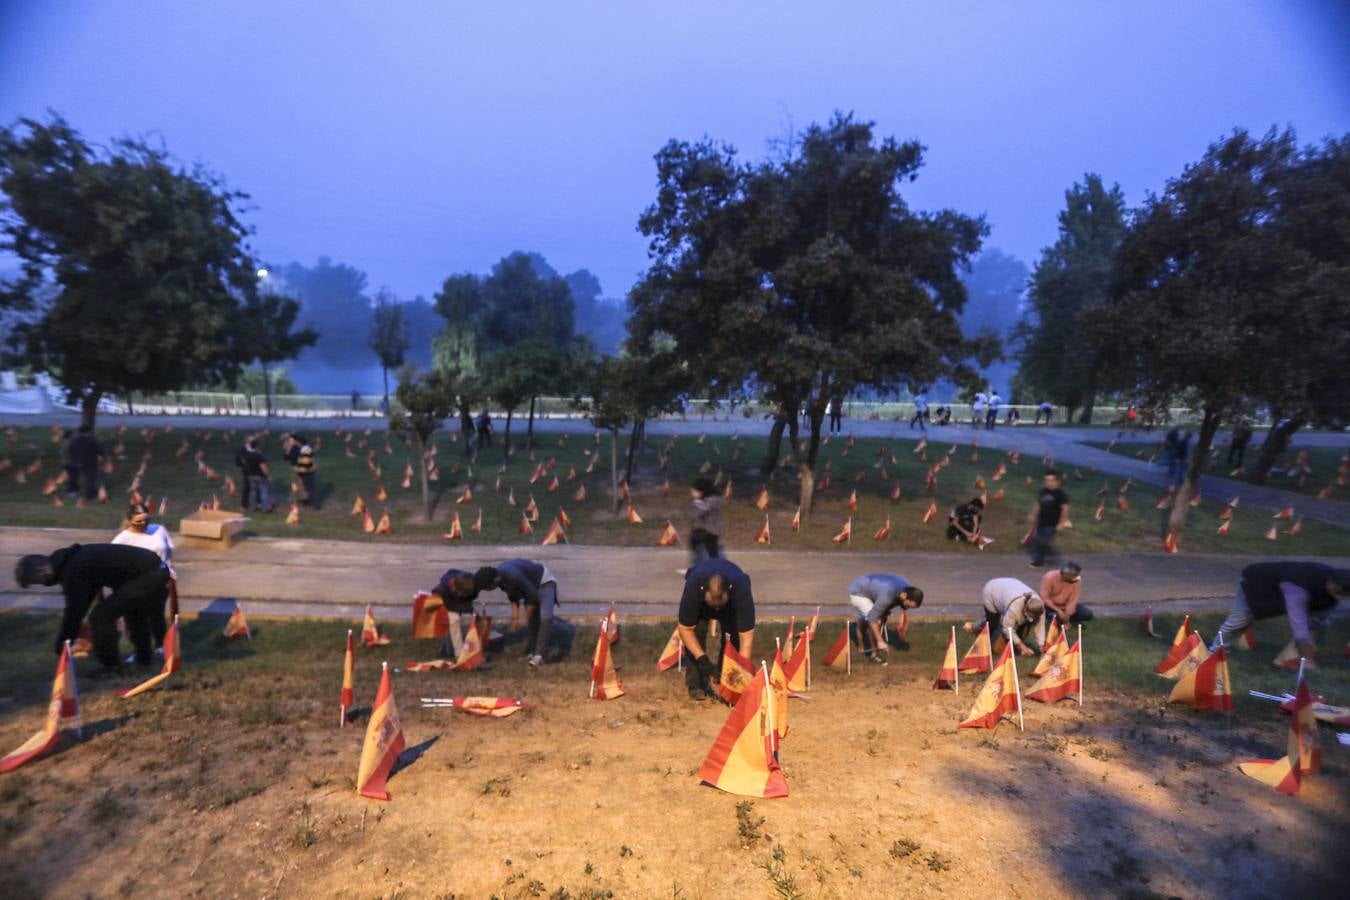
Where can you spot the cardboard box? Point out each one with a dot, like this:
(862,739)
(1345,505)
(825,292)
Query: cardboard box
(212,528)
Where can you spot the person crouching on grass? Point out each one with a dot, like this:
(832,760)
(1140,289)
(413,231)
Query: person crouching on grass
(1009,604)
(873,597)
(714,590)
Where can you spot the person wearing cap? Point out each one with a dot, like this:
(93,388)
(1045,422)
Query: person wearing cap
(1060,589)
(714,590)
(300,455)
(139,585)
(873,597)
(139,531)
(1009,607)
(530,585)
(1305,592)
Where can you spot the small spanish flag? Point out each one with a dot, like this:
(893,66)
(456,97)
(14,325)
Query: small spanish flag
(1191,646)
(1055,647)
(465,497)
(840,655)
(762,537)
(384,526)
(359,506)
(237,625)
(612,625)
(845,534)
(456,531)
(173,661)
(1062,678)
(884,531)
(564,518)
(931,512)
(1288,658)
(384,742)
(471,654)
(735,674)
(605,683)
(778,694)
(671,653)
(293,517)
(430,617)
(496,707)
(1205,681)
(367,523)
(797,520)
(761,501)
(999,695)
(63,708)
(477,525)
(370,632)
(554,535)
(381,495)
(348,669)
(1179,646)
(580,495)
(979,657)
(853,501)
(633,517)
(798,661)
(669,537)
(947,676)
(524,527)
(743,759)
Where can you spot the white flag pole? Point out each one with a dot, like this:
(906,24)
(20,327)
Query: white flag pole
(1017,685)
(1302,661)
(773,732)
(1080,666)
(599,640)
(848,650)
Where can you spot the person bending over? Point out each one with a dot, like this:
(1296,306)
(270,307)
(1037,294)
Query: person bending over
(714,590)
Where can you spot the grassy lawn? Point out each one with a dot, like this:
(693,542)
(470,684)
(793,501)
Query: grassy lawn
(871,467)
(236,771)
(1325,463)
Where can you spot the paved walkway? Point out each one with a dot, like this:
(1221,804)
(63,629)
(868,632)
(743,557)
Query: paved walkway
(337,578)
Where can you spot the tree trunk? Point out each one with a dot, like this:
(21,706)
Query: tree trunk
(89,406)
(466,431)
(1068,413)
(632,451)
(1276,442)
(506,437)
(385,371)
(775,444)
(807,467)
(131,410)
(420,448)
(614,467)
(1181,503)
(529,429)
(267,390)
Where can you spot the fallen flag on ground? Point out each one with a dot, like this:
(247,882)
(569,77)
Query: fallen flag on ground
(495,707)
(173,661)
(998,697)
(1289,658)
(370,632)
(744,759)
(62,709)
(384,742)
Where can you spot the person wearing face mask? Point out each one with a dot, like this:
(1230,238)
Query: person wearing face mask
(139,531)
(138,582)
(714,590)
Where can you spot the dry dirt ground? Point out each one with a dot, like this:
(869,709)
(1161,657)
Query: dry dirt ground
(237,782)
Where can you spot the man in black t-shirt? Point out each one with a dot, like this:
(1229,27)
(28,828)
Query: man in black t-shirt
(258,477)
(714,590)
(1047,516)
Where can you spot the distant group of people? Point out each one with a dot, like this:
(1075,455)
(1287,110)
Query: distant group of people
(256,476)
(532,591)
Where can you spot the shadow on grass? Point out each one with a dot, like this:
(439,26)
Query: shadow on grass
(412,754)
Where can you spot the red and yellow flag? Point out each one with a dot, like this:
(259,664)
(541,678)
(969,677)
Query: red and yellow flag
(1288,658)
(1302,754)
(497,707)
(430,617)
(669,536)
(633,517)
(370,632)
(465,497)
(1055,648)
(1062,678)
(947,676)
(998,697)
(735,673)
(384,742)
(367,523)
(1204,680)
(902,627)
(980,655)
(1053,632)
(1147,622)
(63,708)
(456,531)
(671,653)
(762,537)
(477,522)
(778,694)
(883,532)
(359,506)
(840,655)
(348,669)
(797,663)
(1180,646)
(743,759)
(554,535)
(605,683)
(173,661)
(384,526)
(797,520)
(845,534)
(293,517)
(564,518)
(761,501)
(237,625)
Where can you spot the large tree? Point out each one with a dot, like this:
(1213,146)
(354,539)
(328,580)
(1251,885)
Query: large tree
(423,402)
(144,259)
(269,335)
(388,335)
(1072,281)
(996,285)
(807,275)
(1228,296)
(333,302)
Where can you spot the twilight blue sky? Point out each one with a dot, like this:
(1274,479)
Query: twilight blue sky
(415,140)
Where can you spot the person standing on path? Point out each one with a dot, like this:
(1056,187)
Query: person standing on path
(977,408)
(920,411)
(706,528)
(991,417)
(1237,445)
(714,590)
(139,531)
(258,478)
(1305,592)
(873,597)
(1047,516)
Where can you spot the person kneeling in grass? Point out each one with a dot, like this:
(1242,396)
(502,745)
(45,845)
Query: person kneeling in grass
(1060,589)
(874,596)
(1306,592)
(714,590)
(531,585)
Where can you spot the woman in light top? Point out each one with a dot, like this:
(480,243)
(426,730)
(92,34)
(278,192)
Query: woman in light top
(138,531)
